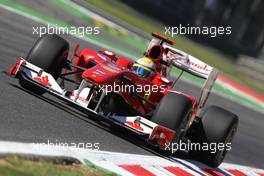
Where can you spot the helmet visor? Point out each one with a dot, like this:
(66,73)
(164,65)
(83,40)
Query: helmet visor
(141,71)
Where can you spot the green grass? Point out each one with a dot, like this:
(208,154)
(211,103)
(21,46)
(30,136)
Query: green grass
(124,14)
(15,166)
(208,55)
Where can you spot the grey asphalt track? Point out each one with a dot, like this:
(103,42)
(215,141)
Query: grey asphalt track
(29,118)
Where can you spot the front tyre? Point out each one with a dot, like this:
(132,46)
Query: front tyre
(49,53)
(173,112)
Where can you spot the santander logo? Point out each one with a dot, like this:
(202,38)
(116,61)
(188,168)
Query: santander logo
(200,66)
(43,80)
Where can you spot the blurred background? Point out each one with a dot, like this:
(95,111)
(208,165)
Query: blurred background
(244,16)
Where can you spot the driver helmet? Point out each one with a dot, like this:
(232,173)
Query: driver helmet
(143,67)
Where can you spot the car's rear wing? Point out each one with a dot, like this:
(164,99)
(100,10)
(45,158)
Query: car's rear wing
(188,62)
(178,58)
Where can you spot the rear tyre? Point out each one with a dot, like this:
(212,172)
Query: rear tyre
(49,53)
(173,112)
(216,128)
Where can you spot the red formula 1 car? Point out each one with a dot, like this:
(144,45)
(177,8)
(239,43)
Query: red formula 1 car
(107,86)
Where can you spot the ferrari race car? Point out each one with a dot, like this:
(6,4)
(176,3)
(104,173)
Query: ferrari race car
(162,116)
